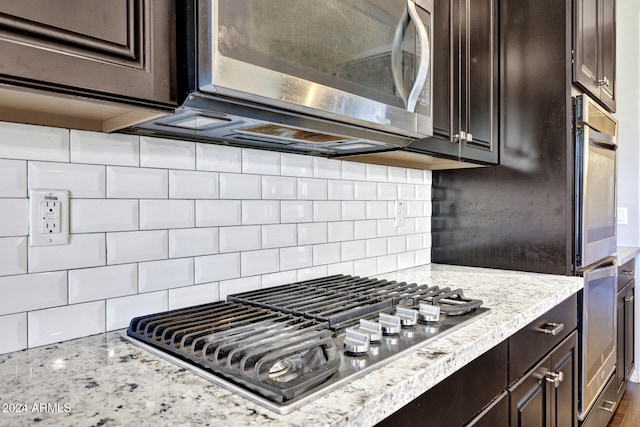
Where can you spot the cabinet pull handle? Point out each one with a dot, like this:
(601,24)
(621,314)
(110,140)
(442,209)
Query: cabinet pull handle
(555,378)
(627,272)
(462,136)
(611,404)
(629,299)
(603,82)
(551,328)
(469,137)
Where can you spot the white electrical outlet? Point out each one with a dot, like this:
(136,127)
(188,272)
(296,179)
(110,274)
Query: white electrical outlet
(400,213)
(622,216)
(48,217)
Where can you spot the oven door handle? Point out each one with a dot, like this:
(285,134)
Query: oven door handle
(602,140)
(601,272)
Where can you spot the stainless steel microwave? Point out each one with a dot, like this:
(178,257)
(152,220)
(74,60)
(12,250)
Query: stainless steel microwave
(326,77)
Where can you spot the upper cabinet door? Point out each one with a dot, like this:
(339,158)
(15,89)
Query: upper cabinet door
(608,63)
(117,49)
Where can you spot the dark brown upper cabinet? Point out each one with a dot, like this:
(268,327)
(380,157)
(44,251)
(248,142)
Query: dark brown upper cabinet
(119,54)
(594,67)
(465,87)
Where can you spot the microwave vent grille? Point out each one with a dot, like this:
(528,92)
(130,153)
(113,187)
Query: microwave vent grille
(291,134)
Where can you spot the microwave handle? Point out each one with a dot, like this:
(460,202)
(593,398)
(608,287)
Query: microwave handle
(602,140)
(425,57)
(397,67)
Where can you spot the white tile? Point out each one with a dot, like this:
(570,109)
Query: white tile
(414,242)
(135,246)
(278,187)
(365,190)
(259,262)
(13,330)
(213,268)
(330,210)
(218,212)
(96,215)
(296,211)
(428,177)
(340,190)
(340,268)
(193,295)
(387,191)
(105,148)
(376,247)
(167,153)
(386,227)
(193,185)
(423,257)
(260,162)
(354,210)
(423,192)
(326,168)
(296,165)
(365,229)
(415,209)
(238,186)
(397,244)
(340,231)
(18,141)
(312,272)
(279,236)
(193,241)
(32,292)
(354,171)
(82,181)
(365,267)
(235,286)
(157,214)
(13,178)
(423,225)
(428,209)
(397,174)
(137,183)
(120,311)
(426,240)
(311,233)
(312,189)
(281,278)
(415,176)
(386,263)
(326,254)
(260,212)
(159,275)
(15,217)
(65,323)
(409,227)
(219,158)
(91,284)
(406,260)
(377,173)
(353,250)
(83,250)
(406,191)
(377,210)
(244,238)
(296,257)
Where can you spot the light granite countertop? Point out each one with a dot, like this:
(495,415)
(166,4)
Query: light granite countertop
(103,380)
(625,253)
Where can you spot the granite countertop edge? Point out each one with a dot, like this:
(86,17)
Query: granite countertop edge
(626,253)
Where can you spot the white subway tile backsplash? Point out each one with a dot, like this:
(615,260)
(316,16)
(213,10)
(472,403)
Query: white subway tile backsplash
(281,278)
(158,214)
(260,212)
(365,190)
(406,191)
(376,247)
(423,256)
(120,311)
(414,242)
(296,165)
(238,186)
(83,250)
(13,178)
(82,181)
(188,242)
(409,227)
(354,171)
(326,168)
(387,191)
(15,216)
(99,215)
(61,323)
(397,174)
(167,153)
(91,284)
(354,210)
(311,233)
(260,162)
(259,262)
(340,231)
(387,263)
(13,329)
(218,212)
(415,209)
(423,192)
(427,176)
(312,189)
(406,260)
(296,211)
(193,185)
(426,240)
(365,229)
(296,257)
(423,225)
(235,286)
(219,158)
(27,142)
(137,246)
(415,176)
(340,268)
(105,148)
(32,292)
(137,183)
(340,190)
(377,210)
(397,244)
(365,267)
(278,187)
(159,275)
(312,272)
(244,238)
(13,255)
(326,253)
(193,295)
(377,173)
(279,236)
(213,268)
(352,250)
(386,227)
(330,210)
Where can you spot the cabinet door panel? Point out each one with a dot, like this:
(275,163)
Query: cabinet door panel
(629,328)
(442,71)
(529,400)
(608,52)
(586,49)
(565,360)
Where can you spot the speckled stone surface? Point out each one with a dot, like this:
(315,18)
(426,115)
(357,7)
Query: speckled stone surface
(104,380)
(625,253)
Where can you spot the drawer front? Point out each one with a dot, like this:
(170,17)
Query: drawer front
(603,409)
(626,272)
(533,342)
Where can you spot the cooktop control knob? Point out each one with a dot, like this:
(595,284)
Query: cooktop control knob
(372,329)
(408,316)
(390,324)
(428,312)
(356,342)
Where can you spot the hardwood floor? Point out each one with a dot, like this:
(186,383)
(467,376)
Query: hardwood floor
(628,412)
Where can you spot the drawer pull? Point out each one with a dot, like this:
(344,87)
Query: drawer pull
(629,299)
(611,404)
(627,272)
(550,328)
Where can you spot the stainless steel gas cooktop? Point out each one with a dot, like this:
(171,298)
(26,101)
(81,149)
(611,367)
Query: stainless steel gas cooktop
(285,346)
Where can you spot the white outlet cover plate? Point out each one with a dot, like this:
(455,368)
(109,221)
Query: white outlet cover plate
(38,236)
